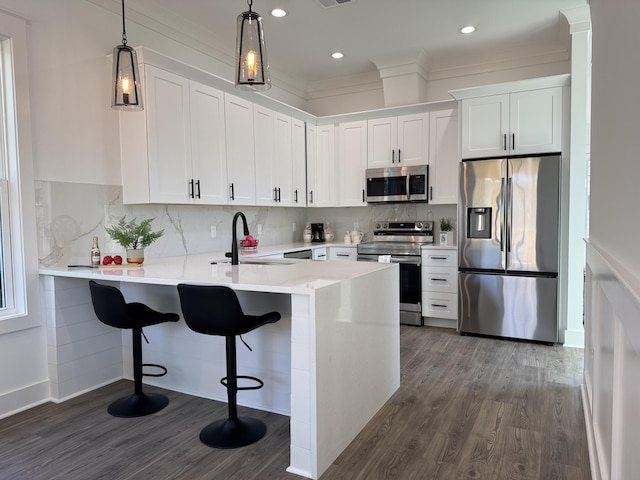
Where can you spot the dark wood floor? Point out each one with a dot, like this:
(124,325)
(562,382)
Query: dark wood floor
(468,408)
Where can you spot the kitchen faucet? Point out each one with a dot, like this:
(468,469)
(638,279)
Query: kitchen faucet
(234,237)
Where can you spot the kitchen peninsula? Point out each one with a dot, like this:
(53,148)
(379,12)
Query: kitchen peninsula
(330,363)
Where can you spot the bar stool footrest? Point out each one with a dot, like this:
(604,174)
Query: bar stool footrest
(223,381)
(154,365)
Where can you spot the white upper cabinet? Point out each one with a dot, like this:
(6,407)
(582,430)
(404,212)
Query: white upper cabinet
(263,130)
(208,147)
(443,157)
(299,171)
(283,160)
(322,171)
(398,141)
(240,151)
(174,151)
(512,124)
(352,163)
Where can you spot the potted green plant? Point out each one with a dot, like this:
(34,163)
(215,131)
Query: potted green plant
(446,231)
(134,236)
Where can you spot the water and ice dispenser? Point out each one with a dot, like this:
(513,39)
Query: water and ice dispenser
(479,222)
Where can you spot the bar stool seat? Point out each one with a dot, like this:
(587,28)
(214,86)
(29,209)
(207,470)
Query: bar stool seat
(215,310)
(111,309)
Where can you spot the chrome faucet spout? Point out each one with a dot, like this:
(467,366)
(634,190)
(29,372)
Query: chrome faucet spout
(234,236)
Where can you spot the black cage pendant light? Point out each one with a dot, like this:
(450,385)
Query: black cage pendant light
(252,68)
(127,94)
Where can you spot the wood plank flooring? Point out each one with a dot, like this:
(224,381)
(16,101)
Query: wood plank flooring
(468,408)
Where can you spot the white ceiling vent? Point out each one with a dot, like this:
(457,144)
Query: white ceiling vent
(333,3)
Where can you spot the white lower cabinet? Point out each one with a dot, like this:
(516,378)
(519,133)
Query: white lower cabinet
(343,253)
(440,286)
(319,253)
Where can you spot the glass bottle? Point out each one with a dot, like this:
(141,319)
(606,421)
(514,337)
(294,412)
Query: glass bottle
(95,253)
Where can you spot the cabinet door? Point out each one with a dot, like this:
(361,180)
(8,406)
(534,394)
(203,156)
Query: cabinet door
(168,137)
(382,149)
(240,153)
(413,140)
(283,160)
(208,149)
(536,121)
(263,130)
(325,173)
(312,164)
(443,157)
(299,173)
(485,126)
(352,163)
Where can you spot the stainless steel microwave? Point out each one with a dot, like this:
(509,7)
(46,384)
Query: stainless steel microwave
(398,184)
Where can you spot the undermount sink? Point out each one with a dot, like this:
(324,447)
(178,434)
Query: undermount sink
(255,261)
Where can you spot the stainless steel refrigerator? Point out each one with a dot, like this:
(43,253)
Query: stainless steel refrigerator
(508,224)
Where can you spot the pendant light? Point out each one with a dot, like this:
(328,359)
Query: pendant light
(252,68)
(127,94)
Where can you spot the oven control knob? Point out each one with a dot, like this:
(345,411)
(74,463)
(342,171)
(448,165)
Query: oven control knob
(419,225)
(385,226)
(377,226)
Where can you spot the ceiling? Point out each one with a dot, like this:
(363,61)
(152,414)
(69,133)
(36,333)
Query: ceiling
(366,31)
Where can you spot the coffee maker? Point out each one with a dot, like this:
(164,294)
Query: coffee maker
(317,232)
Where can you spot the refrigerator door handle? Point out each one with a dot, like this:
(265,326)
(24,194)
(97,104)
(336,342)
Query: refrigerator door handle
(509,216)
(501,216)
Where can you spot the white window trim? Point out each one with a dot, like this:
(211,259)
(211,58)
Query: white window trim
(23,308)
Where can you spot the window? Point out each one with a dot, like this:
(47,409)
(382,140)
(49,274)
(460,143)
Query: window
(18,251)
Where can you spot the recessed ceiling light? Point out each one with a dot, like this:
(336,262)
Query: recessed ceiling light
(278,12)
(467,29)
(337,55)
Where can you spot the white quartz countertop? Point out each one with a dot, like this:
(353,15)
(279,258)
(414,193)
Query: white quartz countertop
(273,275)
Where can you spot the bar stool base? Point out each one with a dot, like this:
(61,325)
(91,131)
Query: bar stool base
(138,405)
(230,433)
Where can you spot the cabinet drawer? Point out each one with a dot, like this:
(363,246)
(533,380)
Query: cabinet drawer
(440,279)
(440,258)
(319,253)
(343,253)
(441,305)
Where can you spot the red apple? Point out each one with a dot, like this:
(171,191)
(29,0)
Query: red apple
(117,259)
(249,237)
(107,260)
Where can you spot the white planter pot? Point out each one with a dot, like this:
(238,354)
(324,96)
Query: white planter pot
(446,238)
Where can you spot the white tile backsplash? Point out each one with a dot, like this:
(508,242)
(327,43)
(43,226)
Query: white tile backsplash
(70,214)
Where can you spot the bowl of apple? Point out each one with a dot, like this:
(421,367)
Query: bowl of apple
(249,243)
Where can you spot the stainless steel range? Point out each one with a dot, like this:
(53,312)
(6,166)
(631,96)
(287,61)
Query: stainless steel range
(401,242)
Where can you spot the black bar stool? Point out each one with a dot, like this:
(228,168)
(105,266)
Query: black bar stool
(215,310)
(111,309)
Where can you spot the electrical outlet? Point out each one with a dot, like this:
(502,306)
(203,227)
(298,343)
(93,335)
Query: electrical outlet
(214,231)
(259,229)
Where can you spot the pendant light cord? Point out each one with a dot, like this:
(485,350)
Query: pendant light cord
(124,32)
(249,2)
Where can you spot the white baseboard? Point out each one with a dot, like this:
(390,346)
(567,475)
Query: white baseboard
(574,338)
(24,398)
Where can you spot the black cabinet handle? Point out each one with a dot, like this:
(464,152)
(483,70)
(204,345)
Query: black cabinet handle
(311,196)
(393,156)
(438,258)
(398,155)
(438,305)
(363,200)
(279,196)
(439,279)
(233,196)
(198,188)
(275,194)
(295,195)
(504,142)
(513,141)
(430,193)
(191,188)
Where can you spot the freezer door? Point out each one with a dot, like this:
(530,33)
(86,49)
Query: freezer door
(481,214)
(508,306)
(533,188)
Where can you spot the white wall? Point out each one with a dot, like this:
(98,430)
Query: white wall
(612,328)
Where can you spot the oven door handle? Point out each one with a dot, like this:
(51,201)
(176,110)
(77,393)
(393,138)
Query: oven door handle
(406,261)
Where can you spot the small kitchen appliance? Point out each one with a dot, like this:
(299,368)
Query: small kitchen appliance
(317,232)
(401,242)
